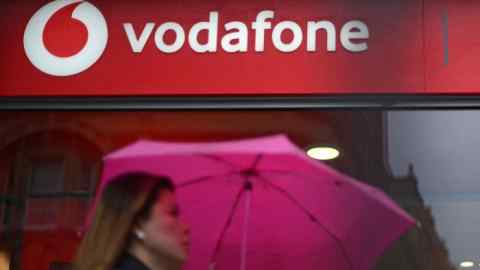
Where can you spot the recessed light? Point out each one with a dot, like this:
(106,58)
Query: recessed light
(467,264)
(323,153)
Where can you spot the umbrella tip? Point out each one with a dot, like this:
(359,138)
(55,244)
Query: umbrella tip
(419,224)
(248,185)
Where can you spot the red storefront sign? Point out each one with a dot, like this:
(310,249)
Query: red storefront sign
(452,48)
(112,48)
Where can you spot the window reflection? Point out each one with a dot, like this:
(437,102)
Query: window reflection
(443,145)
(52,161)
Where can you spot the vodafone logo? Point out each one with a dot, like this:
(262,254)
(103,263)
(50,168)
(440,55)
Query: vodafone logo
(66,37)
(59,64)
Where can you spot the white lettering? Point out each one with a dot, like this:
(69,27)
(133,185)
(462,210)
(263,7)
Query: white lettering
(179,37)
(347,34)
(260,25)
(138,44)
(277,36)
(241,36)
(211,27)
(313,27)
(354,35)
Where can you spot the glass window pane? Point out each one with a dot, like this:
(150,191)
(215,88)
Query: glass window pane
(424,160)
(47,177)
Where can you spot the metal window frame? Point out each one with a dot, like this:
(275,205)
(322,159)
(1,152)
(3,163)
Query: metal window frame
(263,102)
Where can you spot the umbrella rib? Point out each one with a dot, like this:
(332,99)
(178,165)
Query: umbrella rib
(299,174)
(311,216)
(210,177)
(217,158)
(256,161)
(203,179)
(227,225)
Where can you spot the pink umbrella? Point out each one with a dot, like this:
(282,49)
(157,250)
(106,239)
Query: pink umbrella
(263,204)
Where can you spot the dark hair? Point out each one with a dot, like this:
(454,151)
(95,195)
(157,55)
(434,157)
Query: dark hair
(125,200)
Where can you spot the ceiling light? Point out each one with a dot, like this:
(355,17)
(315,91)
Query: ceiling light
(467,264)
(323,153)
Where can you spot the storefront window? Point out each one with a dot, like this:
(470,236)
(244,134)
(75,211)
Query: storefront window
(424,160)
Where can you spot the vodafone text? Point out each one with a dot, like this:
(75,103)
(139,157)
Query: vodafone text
(353,35)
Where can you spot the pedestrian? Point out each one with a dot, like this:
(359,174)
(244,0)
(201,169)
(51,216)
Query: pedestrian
(136,226)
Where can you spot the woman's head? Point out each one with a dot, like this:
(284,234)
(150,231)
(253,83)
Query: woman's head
(137,212)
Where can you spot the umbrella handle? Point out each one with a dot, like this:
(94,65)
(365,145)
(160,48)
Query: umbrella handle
(246,219)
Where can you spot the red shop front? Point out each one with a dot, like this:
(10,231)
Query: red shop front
(79,79)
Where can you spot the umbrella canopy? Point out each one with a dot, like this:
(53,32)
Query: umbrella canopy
(263,204)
